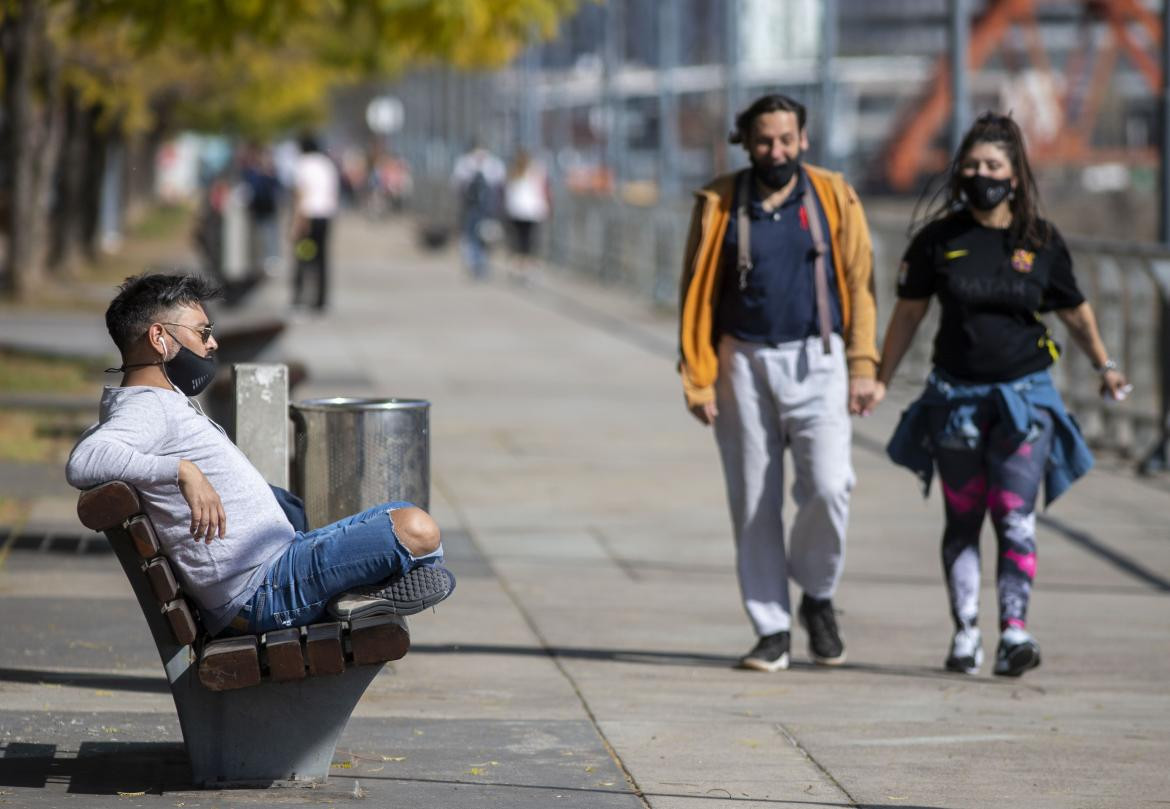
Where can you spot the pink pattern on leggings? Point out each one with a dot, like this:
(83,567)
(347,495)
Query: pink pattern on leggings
(972,494)
(1002,501)
(1026,562)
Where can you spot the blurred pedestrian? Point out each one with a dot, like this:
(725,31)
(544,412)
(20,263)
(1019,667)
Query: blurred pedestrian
(315,202)
(478,178)
(990,419)
(258,174)
(777,343)
(527,204)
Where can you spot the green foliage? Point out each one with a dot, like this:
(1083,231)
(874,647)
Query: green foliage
(257,67)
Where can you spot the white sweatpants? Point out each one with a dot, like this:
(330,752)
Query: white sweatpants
(792,396)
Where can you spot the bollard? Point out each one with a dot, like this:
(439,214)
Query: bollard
(261,423)
(352,454)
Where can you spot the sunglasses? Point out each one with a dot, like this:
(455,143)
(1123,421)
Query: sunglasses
(204,333)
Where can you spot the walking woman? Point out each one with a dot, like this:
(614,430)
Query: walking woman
(990,419)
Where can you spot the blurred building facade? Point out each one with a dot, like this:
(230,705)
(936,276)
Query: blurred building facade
(639,94)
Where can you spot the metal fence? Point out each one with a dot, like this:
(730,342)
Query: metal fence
(1128,284)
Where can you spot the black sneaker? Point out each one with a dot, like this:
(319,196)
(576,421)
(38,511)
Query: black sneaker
(769,654)
(824,641)
(414,592)
(1017,652)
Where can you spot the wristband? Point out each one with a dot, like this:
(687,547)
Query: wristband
(1108,365)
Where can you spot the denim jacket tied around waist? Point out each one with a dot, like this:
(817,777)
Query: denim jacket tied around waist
(912,444)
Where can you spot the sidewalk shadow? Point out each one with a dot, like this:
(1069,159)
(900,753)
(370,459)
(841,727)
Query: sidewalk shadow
(614,655)
(98,768)
(152,684)
(691,659)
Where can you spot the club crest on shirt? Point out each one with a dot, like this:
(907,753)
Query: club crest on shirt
(1022,260)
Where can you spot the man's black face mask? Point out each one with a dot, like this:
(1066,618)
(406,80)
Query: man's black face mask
(775,175)
(189,372)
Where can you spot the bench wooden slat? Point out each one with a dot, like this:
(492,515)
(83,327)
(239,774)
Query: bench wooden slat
(325,651)
(286,659)
(230,663)
(182,621)
(162,580)
(108,505)
(378,638)
(142,533)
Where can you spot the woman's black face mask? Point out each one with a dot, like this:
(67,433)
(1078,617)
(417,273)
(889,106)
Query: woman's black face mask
(984,193)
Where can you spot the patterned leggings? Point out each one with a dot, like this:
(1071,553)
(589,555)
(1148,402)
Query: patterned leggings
(984,467)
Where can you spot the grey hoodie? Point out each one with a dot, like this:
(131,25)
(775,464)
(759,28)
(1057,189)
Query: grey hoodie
(141,435)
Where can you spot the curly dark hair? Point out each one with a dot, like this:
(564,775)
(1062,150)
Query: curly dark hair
(143,299)
(773,102)
(945,198)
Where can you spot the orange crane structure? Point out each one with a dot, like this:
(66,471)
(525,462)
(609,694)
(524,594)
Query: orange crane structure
(1076,92)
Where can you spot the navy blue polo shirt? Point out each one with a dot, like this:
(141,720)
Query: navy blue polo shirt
(779,303)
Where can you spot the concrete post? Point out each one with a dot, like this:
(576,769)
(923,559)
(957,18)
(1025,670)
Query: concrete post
(733,81)
(613,103)
(827,54)
(261,422)
(668,45)
(959,34)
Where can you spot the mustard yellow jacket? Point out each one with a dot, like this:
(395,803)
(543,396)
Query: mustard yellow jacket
(702,269)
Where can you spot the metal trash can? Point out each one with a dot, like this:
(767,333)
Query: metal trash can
(352,454)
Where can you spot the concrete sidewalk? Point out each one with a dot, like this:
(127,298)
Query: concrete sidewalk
(585,659)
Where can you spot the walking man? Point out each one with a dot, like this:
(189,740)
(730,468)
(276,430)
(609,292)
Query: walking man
(478,178)
(777,349)
(315,203)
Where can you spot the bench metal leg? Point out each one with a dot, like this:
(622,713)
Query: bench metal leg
(269,733)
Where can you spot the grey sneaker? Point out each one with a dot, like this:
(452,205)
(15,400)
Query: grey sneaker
(966,653)
(414,592)
(770,653)
(1017,652)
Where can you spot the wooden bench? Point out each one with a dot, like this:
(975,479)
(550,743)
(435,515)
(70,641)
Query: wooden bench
(254,710)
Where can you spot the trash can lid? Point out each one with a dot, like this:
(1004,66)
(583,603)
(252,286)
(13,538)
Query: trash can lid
(359,403)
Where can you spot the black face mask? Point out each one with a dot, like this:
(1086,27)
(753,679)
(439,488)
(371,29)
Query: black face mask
(189,372)
(776,175)
(984,193)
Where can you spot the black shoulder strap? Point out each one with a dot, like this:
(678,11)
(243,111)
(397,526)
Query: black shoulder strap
(743,226)
(820,277)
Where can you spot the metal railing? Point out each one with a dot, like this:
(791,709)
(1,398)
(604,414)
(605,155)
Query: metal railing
(1128,284)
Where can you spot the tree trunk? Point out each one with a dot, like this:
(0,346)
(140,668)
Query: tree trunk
(20,32)
(46,154)
(74,212)
(97,143)
(139,177)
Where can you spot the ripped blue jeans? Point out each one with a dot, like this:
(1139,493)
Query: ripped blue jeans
(319,564)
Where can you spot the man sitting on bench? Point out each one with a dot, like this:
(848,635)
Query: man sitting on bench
(238,546)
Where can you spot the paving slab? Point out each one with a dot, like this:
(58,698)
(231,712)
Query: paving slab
(587,651)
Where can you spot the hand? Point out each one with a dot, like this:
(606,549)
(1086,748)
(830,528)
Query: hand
(705,413)
(864,395)
(208,519)
(1114,385)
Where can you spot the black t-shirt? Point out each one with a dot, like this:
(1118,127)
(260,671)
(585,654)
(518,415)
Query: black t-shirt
(991,292)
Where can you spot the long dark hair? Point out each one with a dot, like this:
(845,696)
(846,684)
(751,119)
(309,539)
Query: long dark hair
(946,198)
